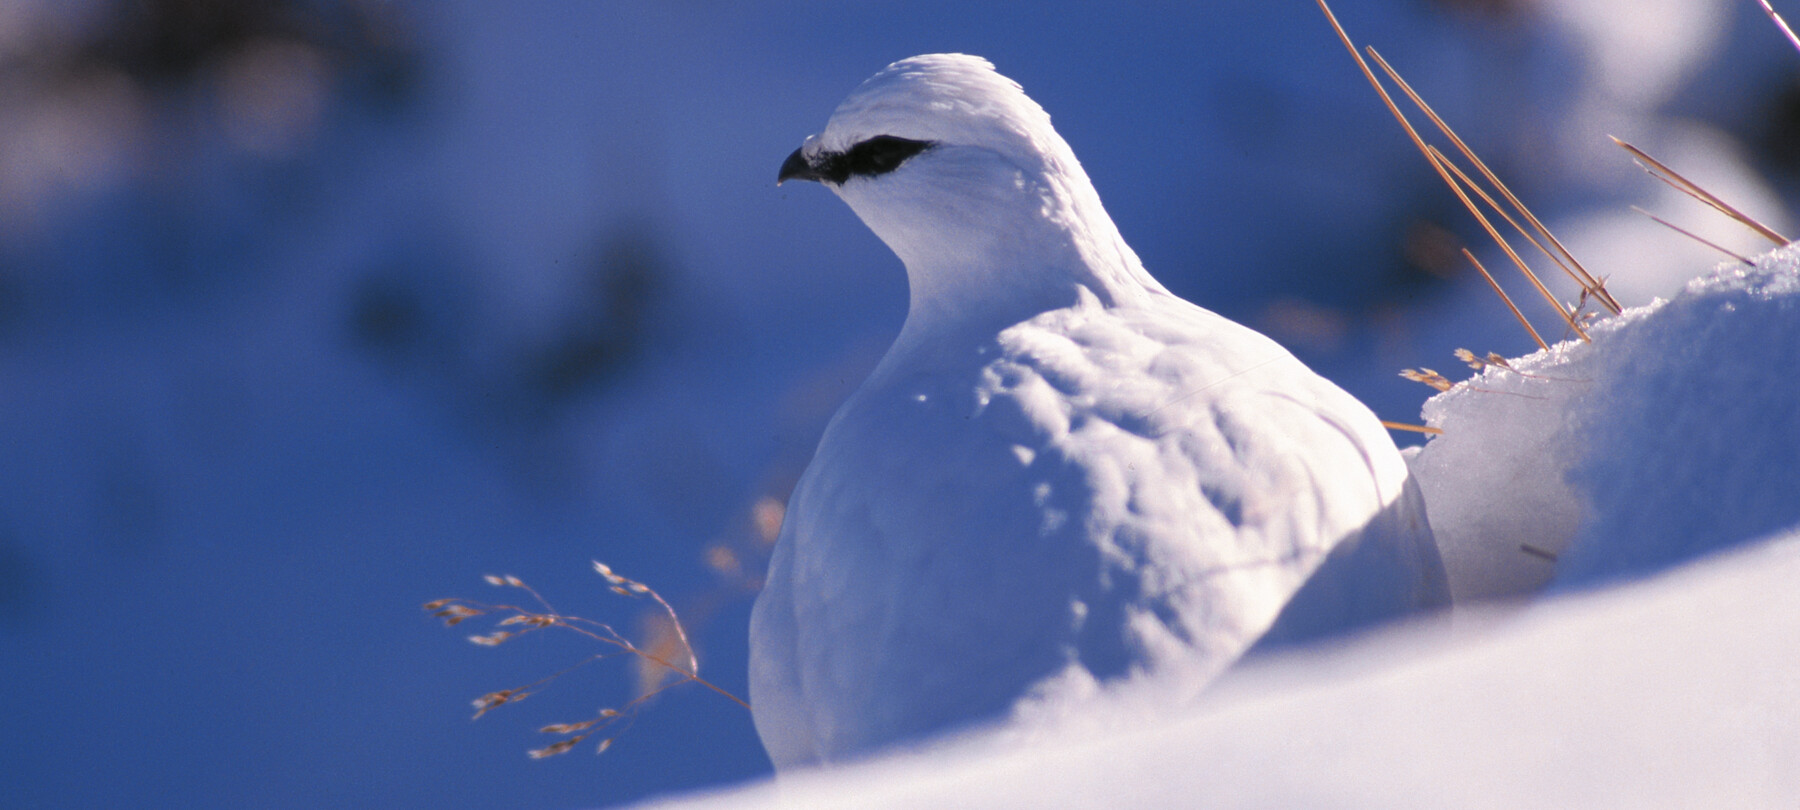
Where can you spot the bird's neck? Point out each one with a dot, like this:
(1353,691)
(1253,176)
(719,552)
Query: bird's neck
(981,265)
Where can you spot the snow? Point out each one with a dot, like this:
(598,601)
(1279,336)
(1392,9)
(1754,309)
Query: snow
(1675,432)
(1670,689)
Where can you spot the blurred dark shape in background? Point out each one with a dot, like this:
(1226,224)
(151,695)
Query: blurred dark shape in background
(1495,10)
(19,584)
(187,121)
(1777,141)
(419,318)
(604,327)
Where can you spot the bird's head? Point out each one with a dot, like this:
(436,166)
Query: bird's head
(936,101)
(946,160)
(961,174)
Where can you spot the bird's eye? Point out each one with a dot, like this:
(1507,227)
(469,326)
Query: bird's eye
(880,155)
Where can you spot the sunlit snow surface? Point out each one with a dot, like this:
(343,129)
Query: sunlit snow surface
(1676,432)
(1669,440)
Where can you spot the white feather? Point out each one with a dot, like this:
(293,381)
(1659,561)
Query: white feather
(1061,477)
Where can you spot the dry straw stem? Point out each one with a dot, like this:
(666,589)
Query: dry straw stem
(1780,23)
(1446,171)
(1429,431)
(627,587)
(1450,174)
(1438,155)
(1507,298)
(1562,257)
(1569,314)
(1673,178)
(455,610)
(1694,236)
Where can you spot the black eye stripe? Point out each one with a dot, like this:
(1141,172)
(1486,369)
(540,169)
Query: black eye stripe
(881,154)
(875,156)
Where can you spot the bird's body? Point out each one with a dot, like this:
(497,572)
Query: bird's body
(1061,475)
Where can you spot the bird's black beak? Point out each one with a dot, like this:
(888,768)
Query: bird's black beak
(796,167)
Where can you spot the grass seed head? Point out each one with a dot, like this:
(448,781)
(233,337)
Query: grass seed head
(492,699)
(1428,377)
(568,728)
(556,748)
(606,571)
(454,614)
(533,619)
(666,651)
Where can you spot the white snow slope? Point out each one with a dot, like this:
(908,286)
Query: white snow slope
(1674,434)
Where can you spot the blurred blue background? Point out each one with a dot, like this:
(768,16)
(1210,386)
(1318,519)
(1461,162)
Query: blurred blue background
(313,311)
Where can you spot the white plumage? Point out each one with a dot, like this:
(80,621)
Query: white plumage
(1061,476)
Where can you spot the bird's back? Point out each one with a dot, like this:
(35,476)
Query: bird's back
(1096,493)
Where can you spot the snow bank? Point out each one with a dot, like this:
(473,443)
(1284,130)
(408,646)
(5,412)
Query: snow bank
(1676,432)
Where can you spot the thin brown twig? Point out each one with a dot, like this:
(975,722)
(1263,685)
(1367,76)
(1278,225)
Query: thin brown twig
(1430,431)
(1443,172)
(630,587)
(1537,283)
(1507,298)
(1658,170)
(518,693)
(1694,236)
(1567,262)
(1487,198)
(1569,313)
(455,610)
(680,631)
(1494,233)
(691,673)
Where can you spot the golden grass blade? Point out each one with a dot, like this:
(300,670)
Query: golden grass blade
(1691,235)
(1673,178)
(1780,23)
(1567,314)
(1485,197)
(1344,37)
(1567,262)
(1507,298)
(1445,168)
(1444,173)
(1429,431)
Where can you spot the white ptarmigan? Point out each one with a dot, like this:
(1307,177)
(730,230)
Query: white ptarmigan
(1061,476)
